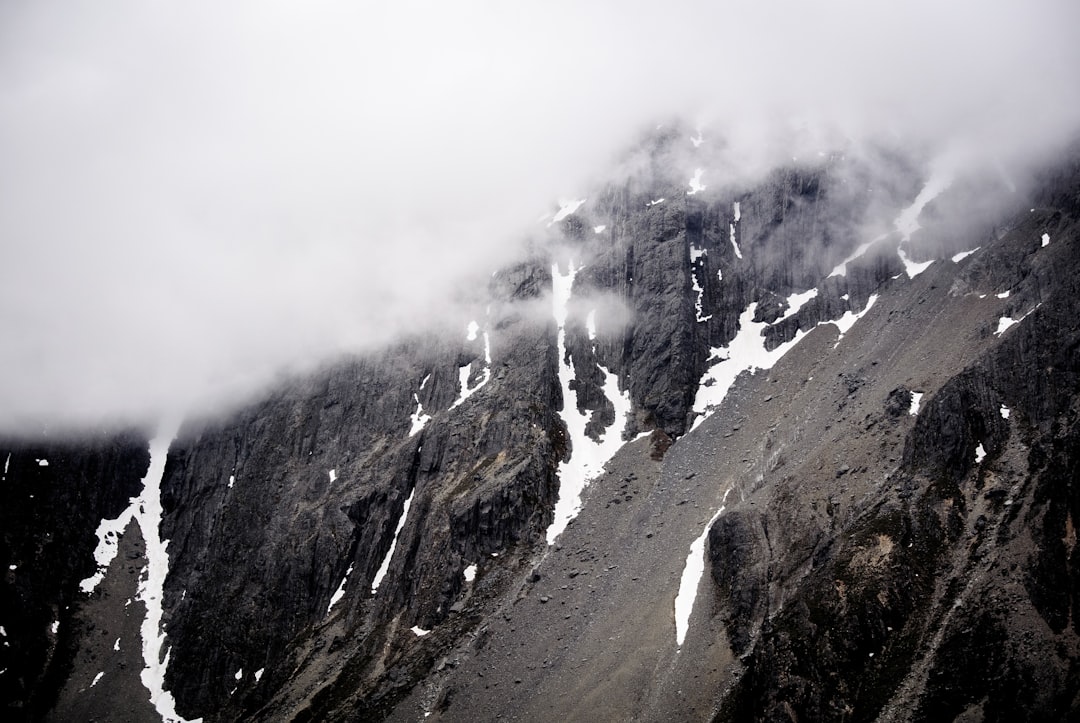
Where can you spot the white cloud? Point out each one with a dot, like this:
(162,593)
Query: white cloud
(194,195)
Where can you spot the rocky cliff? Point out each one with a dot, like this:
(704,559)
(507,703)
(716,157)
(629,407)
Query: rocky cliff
(855,499)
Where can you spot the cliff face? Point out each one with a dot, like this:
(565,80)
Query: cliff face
(869,461)
(53,493)
(304,496)
(947,590)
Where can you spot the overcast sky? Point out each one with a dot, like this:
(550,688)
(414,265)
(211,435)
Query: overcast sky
(194,194)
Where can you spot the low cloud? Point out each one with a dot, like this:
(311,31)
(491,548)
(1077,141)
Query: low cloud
(194,196)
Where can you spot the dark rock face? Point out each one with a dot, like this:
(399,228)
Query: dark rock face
(950,592)
(53,494)
(334,557)
(721,252)
(320,474)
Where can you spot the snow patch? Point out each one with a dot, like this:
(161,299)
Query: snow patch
(340,592)
(587,458)
(980,454)
(912,268)
(55,627)
(1045,239)
(698,139)
(470,573)
(419,631)
(116,645)
(97,678)
(736,209)
(465,371)
(696,253)
(796,302)
(393,544)
(333,475)
(957,258)
(1004,323)
(734,243)
(7,462)
(845,322)
(258,674)
(565,209)
(43,462)
(916,399)
(232,481)
(1005,412)
(470,331)
(746,352)
(656,202)
(691,578)
(418,418)
(238,674)
(599,229)
(1003,294)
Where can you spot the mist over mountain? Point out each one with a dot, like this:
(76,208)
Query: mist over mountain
(197,198)
(610,363)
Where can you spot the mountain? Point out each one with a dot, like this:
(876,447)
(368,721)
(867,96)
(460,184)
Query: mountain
(801,447)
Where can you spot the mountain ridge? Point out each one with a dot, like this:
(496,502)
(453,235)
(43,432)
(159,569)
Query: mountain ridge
(806,606)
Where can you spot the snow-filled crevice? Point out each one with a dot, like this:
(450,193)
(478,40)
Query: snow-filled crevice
(916,400)
(464,373)
(340,592)
(385,566)
(146,511)
(587,457)
(695,254)
(734,243)
(691,577)
(151,589)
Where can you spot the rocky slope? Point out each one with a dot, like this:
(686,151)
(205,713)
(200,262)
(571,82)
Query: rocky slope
(882,515)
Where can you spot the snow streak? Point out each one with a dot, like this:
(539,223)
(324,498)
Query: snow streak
(381,573)
(340,592)
(746,352)
(691,577)
(587,458)
(146,511)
